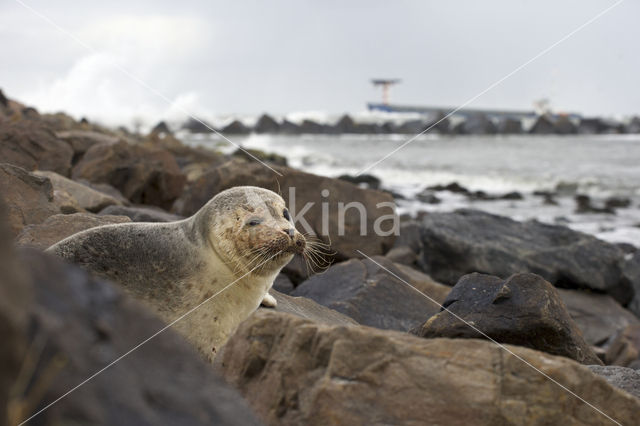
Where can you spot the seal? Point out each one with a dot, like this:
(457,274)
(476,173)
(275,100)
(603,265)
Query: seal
(227,254)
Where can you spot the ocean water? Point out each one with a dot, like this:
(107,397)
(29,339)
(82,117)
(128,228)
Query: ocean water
(600,166)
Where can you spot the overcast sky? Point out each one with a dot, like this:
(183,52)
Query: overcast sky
(213,58)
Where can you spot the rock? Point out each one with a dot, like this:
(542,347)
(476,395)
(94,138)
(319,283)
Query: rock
(31,144)
(453,187)
(141,213)
(427,196)
(633,126)
(403,255)
(542,126)
(596,126)
(367,293)
(311,127)
(369,181)
(522,310)
(410,127)
(236,127)
(289,128)
(598,316)
(29,198)
(345,125)
(583,205)
(303,193)
(4,102)
(617,203)
(515,195)
(283,284)
(308,309)
(197,126)
(631,271)
(548,197)
(81,325)
(563,126)
(624,349)
(266,124)
(81,140)
(87,198)
(478,124)
(439,124)
(509,126)
(143,175)
(107,189)
(294,371)
(161,127)
(60,226)
(623,378)
(256,154)
(466,241)
(410,236)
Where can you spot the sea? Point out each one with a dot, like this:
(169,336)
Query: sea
(599,166)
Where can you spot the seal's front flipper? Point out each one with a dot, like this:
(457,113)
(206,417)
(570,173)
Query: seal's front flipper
(269,301)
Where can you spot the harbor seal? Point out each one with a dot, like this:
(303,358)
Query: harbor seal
(240,239)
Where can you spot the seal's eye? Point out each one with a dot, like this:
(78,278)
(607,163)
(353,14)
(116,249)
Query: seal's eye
(254,222)
(285,213)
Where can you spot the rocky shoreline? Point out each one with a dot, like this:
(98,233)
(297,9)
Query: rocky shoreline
(356,344)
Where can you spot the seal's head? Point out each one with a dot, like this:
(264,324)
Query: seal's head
(250,227)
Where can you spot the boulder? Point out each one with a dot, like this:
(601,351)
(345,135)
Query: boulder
(623,378)
(522,310)
(236,127)
(633,126)
(598,316)
(294,371)
(440,124)
(465,241)
(410,127)
(311,127)
(143,175)
(161,127)
(81,140)
(258,155)
(289,128)
(509,126)
(624,348)
(598,125)
(197,126)
(31,144)
(631,270)
(60,226)
(403,255)
(141,213)
(478,124)
(372,296)
(345,125)
(87,198)
(283,284)
(542,126)
(29,198)
(307,195)
(78,326)
(563,126)
(369,181)
(308,309)
(266,124)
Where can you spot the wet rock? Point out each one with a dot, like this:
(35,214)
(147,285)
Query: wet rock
(266,124)
(369,181)
(542,126)
(308,309)
(411,127)
(370,295)
(515,195)
(256,154)
(197,126)
(303,193)
(29,198)
(346,125)
(289,128)
(77,326)
(624,347)
(236,127)
(583,205)
(466,241)
(87,198)
(438,124)
(143,175)
(617,203)
(311,127)
(564,126)
(623,378)
(60,226)
(31,144)
(509,126)
(141,213)
(295,371)
(428,197)
(598,316)
(478,124)
(522,310)
(548,197)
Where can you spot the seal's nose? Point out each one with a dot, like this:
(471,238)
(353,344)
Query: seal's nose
(290,232)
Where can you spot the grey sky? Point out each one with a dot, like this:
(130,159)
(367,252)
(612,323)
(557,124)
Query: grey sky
(286,56)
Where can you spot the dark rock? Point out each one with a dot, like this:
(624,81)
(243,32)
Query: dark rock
(197,126)
(440,124)
(346,125)
(548,197)
(542,126)
(597,126)
(563,126)
(4,102)
(60,226)
(236,127)
(583,205)
(367,293)
(597,315)
(454,187)
(266,124)
(623,378)
(31,144)
(78,325)
(509,126)
(283,284)
(512,196)
(297,372)
(289,128)
(161,127)
(411,127)
(410,236)
(403,255)
(466,241)
(633,126)
(255,155)
(311,127)
(624,347)
(616,203)
(29,198)
(427,196)
(478,124)
(141,213)
(369,181)
(522,310)
(631,272)
(303,193)
(143,175)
